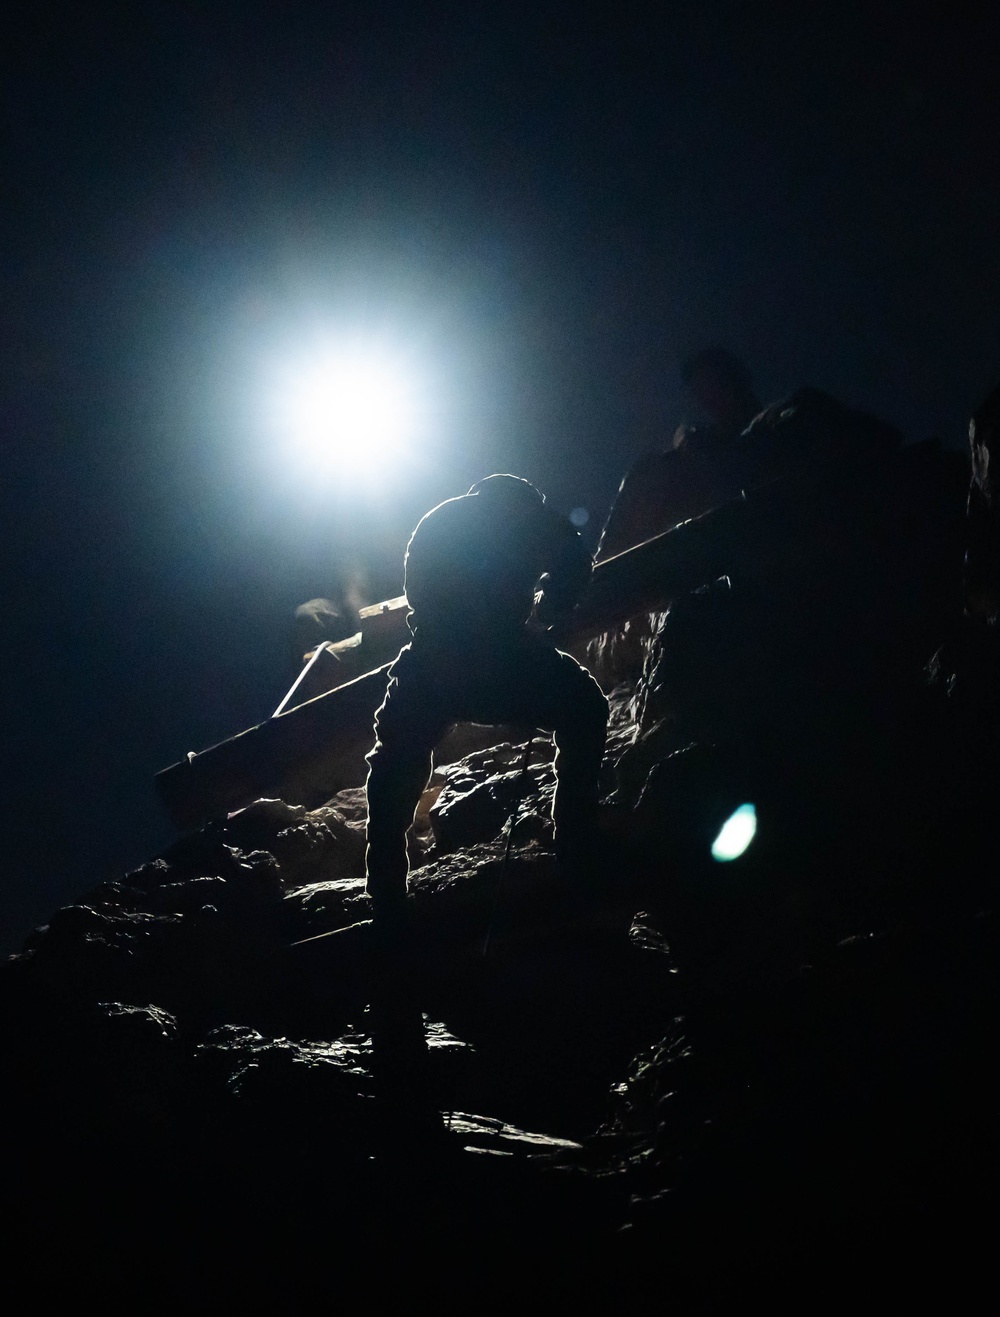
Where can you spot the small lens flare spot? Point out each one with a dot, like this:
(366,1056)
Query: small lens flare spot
(736,834)
(579,517)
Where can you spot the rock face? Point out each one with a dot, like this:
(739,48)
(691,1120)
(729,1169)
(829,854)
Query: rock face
(667,1066)
(696,1056)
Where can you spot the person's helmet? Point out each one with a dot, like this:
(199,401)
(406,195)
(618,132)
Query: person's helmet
(512,491)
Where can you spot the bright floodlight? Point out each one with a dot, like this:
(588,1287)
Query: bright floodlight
(736,834)
(349,412)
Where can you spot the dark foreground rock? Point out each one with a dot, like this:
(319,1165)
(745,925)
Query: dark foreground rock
(666,1068)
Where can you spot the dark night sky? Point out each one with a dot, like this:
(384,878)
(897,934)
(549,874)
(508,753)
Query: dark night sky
(542,204)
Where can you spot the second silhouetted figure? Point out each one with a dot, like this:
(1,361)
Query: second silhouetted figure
(473,566)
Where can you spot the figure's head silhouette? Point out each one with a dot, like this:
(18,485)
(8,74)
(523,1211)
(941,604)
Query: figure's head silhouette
(721,386)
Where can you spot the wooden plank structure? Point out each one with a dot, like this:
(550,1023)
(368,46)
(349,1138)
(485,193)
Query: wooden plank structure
(315,743)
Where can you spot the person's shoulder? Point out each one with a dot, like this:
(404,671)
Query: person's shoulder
(813,417)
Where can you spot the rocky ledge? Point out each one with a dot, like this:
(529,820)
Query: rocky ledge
(670,1067)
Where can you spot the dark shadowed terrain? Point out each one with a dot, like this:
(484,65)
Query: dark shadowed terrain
(665,1069)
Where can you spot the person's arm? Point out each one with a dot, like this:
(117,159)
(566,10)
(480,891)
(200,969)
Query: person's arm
(568,568)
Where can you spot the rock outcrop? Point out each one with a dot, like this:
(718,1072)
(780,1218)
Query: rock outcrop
(785,1054)
(667,1067)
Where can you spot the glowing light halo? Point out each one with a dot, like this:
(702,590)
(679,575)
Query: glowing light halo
(348,410)
(736,834)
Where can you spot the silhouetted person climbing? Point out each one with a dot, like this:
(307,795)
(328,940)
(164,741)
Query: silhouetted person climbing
(720,385)
(472,568)
(704,465)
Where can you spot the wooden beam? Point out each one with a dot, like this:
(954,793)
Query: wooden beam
(305,756)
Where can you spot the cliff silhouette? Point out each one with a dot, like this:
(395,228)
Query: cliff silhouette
(685,1070)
